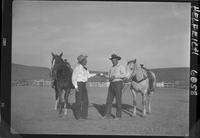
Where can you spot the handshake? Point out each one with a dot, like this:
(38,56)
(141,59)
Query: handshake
(112,78)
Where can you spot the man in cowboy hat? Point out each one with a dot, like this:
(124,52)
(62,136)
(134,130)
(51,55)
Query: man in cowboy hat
(116,75)
(79,78)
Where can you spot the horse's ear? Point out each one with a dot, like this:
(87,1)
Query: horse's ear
(61,54)
(134,60)
(52,54)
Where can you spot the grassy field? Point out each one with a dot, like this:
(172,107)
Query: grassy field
(32,113)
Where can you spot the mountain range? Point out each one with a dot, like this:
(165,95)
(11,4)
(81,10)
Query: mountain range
(23,72)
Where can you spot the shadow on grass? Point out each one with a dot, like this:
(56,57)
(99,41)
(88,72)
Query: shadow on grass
(73,108)
(101,108)
(128,109)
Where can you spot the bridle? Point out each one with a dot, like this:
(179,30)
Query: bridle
(55,63)
(134,72)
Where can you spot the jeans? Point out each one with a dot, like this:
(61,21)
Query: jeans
(114,90)
(82,101)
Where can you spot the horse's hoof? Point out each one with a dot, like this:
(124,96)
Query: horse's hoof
(60,112)
(144,115)
(148,113)
(60,116)
(65,112)
(134,115)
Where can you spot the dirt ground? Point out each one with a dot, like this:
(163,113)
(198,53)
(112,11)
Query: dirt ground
(32,112)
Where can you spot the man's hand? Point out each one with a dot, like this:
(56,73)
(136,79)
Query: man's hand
(126,80)
(112,78)
(76,89)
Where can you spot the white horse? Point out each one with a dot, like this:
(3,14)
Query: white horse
(139,80)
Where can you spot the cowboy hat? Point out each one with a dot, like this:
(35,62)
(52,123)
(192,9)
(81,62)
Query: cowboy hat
(81,58)
(115,56)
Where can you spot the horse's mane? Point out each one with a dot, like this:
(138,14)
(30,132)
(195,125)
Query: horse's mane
(63,72)
(137,69)
(137,65)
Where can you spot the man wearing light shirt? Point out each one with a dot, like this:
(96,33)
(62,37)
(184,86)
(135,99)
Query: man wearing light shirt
(79,78)
(116,75)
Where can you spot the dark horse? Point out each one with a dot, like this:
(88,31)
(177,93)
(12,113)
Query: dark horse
(62,75)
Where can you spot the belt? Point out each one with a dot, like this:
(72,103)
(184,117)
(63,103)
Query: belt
(116,81)
(81,82)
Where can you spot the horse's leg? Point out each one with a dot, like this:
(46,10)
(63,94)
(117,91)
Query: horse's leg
(59,91)
(61,100)
(134,102)
(56,105)
(144,97)
(56,102)
(152,92)
(67,91)
(56,95)
(149,101)
(64,102)
(65,109)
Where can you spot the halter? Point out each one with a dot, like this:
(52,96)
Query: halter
(134,73)
(56,63)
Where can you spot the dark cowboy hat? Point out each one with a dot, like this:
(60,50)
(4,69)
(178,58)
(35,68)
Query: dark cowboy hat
(115,56)
(81,58)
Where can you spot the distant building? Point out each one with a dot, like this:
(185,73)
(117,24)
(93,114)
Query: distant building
(160,84)
(98,78)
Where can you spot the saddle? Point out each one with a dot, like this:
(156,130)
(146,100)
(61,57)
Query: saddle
(149,76)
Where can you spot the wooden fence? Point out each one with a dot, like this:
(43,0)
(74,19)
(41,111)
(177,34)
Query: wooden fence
(41,83)
(48,83)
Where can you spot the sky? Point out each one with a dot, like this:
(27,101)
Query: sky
(156,34)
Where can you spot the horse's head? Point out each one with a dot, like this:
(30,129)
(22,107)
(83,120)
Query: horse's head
(131,65)
(60,69)
(57,58)
(131,68)
(134,70)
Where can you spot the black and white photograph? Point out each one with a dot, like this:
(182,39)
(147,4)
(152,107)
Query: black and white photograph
(100,68)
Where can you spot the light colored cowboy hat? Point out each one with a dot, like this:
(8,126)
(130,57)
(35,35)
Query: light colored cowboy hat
(81,58)
(115,56)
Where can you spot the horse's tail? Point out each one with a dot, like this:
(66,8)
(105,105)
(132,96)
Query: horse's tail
(152,81)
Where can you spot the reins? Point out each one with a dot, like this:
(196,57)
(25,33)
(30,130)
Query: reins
(133,74)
